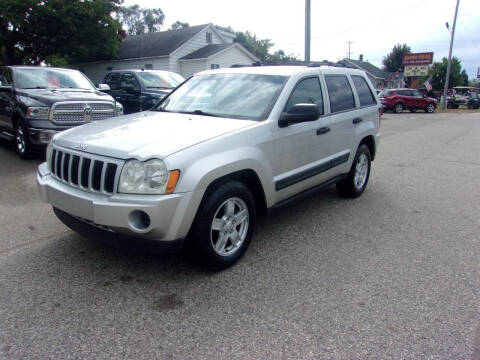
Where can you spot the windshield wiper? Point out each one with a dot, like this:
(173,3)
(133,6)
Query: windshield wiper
(36,87)
(159,87)
(199,112)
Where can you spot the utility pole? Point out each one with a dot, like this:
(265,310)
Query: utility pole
(447,78)
(349,52)
(307,31)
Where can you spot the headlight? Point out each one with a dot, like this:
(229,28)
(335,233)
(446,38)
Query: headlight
(118,109)
(149,177)
(38,112)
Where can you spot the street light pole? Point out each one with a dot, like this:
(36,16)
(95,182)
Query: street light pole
(307,31)
(447,78)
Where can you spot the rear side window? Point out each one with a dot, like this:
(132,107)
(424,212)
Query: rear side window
(5,77)
(307,91)
(365,95)
(340,93)
(113,80)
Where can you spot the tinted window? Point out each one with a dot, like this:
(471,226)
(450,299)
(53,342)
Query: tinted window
(404,93)
(363,90)
(5,77)
(307,91)
(113,80)
(340,92)
(128,80)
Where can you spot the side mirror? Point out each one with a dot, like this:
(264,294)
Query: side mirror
(299,113)
(103,87)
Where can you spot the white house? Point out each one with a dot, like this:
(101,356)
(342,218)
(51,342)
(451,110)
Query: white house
(184,51)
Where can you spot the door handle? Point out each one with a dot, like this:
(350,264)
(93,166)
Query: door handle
(323,130)
(357,120)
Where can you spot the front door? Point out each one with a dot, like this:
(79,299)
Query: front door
(129,94)
(301,149)
(6,100)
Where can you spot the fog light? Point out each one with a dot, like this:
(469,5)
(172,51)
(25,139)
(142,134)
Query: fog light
(139,220)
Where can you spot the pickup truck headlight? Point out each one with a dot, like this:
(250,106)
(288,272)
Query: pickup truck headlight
(118,109)
(148,177)
(38,112)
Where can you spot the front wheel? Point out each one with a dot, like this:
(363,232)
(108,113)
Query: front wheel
(398,108)
(357,179)
(224,226)
(22,142)
(430,108)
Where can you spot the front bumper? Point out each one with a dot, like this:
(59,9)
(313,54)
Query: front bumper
(169,216)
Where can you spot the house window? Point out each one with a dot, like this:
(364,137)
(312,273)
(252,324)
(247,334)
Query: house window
(148,66)
(208,37)
(214,66)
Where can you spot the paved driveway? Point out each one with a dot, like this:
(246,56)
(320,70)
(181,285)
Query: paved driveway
(393,274)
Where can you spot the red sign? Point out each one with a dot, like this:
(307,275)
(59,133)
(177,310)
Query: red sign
(418,59)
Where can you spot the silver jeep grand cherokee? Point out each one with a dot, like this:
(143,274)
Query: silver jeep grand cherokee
(223,147)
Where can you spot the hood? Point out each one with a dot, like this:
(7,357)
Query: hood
(147,134)
(50,96)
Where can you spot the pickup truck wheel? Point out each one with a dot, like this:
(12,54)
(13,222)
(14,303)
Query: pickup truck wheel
(357,179)
(22,143)
(430,108)
(398,108)
(224,226)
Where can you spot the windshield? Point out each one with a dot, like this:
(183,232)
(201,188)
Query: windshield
(160,80)
(47,78)
(241,96)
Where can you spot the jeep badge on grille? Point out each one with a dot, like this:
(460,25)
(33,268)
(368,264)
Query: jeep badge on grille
(82,147)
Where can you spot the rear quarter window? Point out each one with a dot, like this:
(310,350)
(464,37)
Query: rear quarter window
(340,93)
(364,92)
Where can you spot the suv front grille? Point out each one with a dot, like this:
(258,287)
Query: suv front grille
(85,171)
(79,112)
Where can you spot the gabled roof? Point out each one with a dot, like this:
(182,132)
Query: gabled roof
(157,44)
(206,51)
(369,68)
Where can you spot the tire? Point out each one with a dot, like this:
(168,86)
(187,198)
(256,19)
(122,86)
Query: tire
(23,146)
(356,182)
(223,227)
(413,110)
(398,108)
(449,106)
(430,108)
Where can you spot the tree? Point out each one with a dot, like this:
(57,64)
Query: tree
(63,31)
(140,20)
(179,25)
(393,61)
(258,47)
(438,71)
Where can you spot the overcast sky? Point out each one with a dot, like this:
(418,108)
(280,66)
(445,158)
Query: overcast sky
(374,26)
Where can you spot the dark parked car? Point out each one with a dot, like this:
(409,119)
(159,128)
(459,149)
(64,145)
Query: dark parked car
(470,99)
(37,102)
(411,99)
(139,90)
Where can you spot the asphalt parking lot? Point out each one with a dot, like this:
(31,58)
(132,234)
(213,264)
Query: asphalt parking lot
(394,274)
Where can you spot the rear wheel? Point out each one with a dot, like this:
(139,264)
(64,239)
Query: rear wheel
(224,226)
(357,178)
(22,142)
(430,108)
(398,108)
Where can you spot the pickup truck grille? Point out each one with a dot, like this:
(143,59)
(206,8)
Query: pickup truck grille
(85,171)
(79,112)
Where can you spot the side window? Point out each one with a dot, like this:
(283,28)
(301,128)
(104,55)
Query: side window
(417,94)
(307,91)
(113,80)
(364,92)
(340,93)
(127,81)
(5,77)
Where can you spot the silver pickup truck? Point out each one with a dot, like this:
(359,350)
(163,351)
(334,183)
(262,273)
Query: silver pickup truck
(222,148)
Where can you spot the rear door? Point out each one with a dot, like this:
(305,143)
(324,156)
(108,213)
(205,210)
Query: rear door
(343,119)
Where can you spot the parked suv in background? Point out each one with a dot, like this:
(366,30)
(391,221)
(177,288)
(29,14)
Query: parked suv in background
(140,90)
(37,102)
(411,99)
(224,146)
